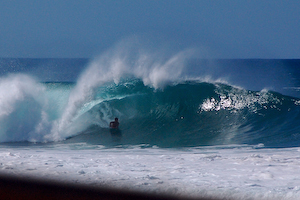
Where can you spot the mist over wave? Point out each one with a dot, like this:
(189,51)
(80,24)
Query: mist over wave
(120,62)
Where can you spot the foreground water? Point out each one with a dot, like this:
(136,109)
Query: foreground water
(233,172)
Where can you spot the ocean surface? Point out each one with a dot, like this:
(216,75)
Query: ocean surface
(188,126)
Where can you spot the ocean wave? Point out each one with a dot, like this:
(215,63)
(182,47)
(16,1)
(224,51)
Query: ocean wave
(186,113)
(197,113)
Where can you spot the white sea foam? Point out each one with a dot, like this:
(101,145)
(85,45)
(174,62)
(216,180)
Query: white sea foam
(238,98)
(241,172)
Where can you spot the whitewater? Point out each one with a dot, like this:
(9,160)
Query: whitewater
(188,126)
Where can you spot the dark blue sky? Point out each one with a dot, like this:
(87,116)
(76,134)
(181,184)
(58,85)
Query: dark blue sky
(84,28)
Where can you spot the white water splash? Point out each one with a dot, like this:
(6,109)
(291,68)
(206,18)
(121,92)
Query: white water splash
(22,109)
(123,60)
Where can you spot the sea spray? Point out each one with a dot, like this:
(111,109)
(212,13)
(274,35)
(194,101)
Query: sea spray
(113,65)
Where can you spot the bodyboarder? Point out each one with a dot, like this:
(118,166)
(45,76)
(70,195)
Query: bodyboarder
(114,124)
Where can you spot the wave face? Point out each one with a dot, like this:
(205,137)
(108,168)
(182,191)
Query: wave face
(190,114)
